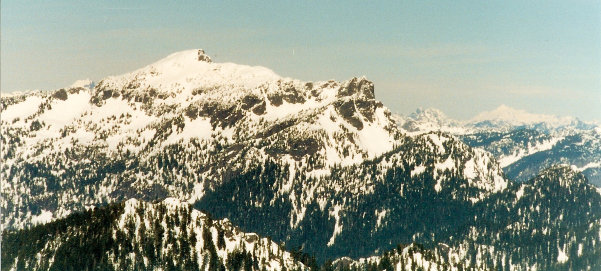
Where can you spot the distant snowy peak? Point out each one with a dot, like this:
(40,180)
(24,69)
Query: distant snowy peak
(426,120)
(84,83)
(431,115)
(188,70)
(507,116)
(503,118)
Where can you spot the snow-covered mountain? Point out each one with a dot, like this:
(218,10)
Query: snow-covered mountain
(317,165)
(523,143)
(170,235)
(427,120)
(501,119)
(539,217)
(181,127)
(188,128)
(508,118)
(134,235)
(525,152)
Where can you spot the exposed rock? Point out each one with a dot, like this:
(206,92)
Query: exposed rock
(297,147)
(61,94)
(275,99)
(107,94)
(250,101)
(260,109)
(367,108)
(203,57)
(192,112)
(362,86)
(347,110)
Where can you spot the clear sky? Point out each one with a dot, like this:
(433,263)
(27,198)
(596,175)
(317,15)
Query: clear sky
(462,57)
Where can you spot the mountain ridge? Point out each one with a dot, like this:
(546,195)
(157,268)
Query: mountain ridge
(317,165)
(116,143)
(523,146)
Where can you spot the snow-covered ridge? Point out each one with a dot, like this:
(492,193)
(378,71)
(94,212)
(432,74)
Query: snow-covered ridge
(507,160)
(427,120)
(505,115)
(166,233)
(502,118)
(270,253)
(522,142)
(189,69)
(237,114)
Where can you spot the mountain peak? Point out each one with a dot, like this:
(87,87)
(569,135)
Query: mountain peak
(187,70)
(505,115)
(83,83)
(429,119)
(184,57)
(431,114)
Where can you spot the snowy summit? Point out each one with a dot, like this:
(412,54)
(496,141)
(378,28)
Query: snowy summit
(505,115)
(191,68)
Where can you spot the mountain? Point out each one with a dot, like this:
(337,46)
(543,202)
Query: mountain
(501,119)
(545,223)
(183,126)
(290,155)
(505,116)
(134,235)
(525,152)
(170,235)
(523,143)
(550,222)
(319,167)
(427,120)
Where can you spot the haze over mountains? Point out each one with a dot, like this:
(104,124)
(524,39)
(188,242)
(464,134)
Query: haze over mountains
(322,170)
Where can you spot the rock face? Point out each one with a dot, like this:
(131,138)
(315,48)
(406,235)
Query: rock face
(317,165)
(203,57)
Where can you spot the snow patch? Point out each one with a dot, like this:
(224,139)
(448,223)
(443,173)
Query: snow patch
(338,227)
(199,127)
(562,257)
(197,194)
(438,141)
(23,109)
(44,217)
(64,112)
(446,165)
(375,140)
(380,215)
(507,160)
(587,166)
(418,170)
(520,193)
(470,169)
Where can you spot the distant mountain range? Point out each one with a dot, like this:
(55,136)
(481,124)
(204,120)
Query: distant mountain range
(523,143)
(189,164)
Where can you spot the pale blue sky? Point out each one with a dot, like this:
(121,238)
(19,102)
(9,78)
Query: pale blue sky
(462,57)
